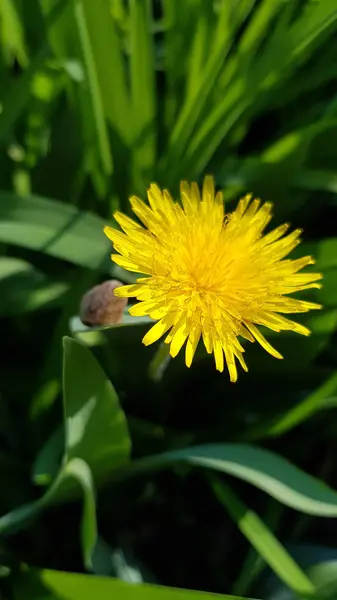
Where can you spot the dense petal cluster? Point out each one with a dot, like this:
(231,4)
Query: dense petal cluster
(208,274)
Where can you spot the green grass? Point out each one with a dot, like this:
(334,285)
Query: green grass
(162,482)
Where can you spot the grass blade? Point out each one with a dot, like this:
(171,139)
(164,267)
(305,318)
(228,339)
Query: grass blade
(109,64)
(262,539)
(92,79)
(251,88)
(18,96)
(142,76)
(313,403)
(13,37)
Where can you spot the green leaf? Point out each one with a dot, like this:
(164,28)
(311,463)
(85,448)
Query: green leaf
(262,539)
(96,442)
(265,470)
(95,91)
(328,294)
(96,428)
(254,564)
(109,62)
(253,84)
(55,228)
(79,470)
(75,472)
(24,288)
(324,251)
(142,80)
(18,96)
(315,402)
(316,180)
(48,460)
(195,103)
(71,586)
(324,577)
(12,31)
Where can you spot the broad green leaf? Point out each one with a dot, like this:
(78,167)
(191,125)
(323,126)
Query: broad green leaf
(96,428)
(55,228)
(79,470)
(48,460)
(96,442)
(262,539)
(11,266)
(71,586)
(73,474)
(24,288)
(264,469)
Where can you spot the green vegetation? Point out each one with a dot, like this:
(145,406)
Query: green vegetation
(127,476)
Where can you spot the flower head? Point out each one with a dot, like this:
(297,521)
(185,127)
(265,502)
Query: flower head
(210,275)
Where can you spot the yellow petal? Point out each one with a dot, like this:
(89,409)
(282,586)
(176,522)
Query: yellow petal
(144,213)
(274,235)
(126,223)
(208,191)
(206,336)
(188,199)
(218,355)
(240,358)
(155,197)
(128,291)
(179,338)
(191,345)
(242,205)
(158,330)
(262,340)
(144,308)
(231,366)
(129,265)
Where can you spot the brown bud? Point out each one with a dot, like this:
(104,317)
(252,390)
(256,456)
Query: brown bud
(100,306)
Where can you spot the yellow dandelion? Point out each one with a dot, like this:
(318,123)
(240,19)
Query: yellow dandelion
(210,275)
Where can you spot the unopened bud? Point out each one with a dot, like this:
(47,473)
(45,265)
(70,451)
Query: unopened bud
(100,306)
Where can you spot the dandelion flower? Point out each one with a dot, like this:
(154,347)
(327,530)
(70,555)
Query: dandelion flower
(210,275)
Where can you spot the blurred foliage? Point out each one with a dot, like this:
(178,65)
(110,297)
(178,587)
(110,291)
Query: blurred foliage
(152,474)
